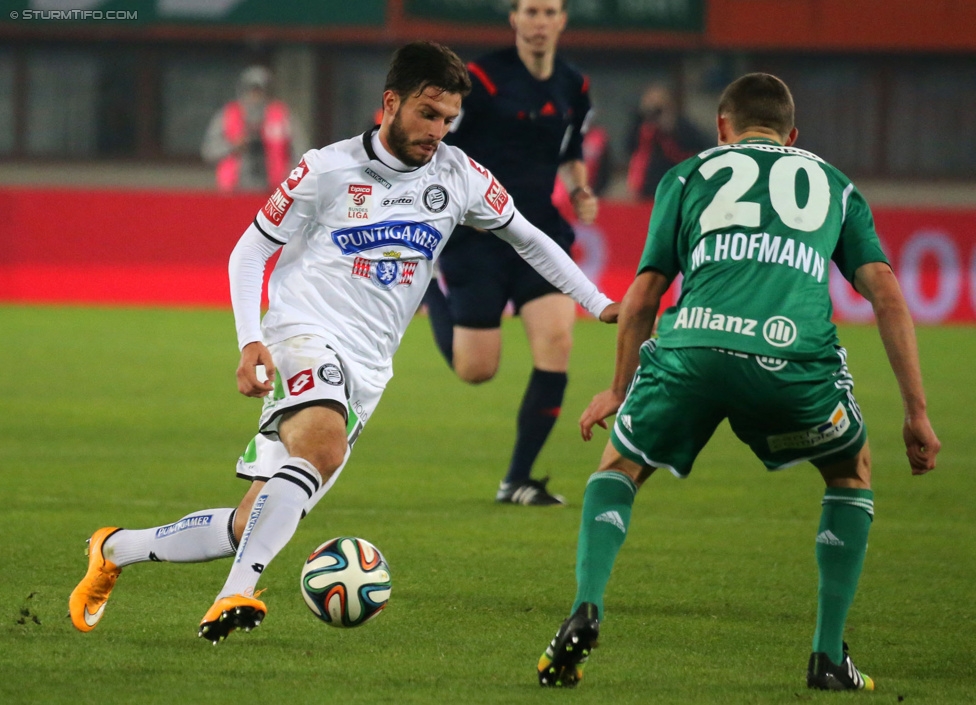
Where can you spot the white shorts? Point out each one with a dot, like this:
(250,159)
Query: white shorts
(309,371)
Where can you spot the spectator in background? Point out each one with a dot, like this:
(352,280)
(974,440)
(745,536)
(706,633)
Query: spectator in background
(659,139)
(254,140)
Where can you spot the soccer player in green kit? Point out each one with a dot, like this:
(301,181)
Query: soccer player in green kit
(752,225)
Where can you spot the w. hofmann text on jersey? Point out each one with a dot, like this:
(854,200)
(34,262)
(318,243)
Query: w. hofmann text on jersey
(760,247)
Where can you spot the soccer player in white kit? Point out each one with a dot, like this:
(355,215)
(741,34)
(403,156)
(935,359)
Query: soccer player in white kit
(360,224)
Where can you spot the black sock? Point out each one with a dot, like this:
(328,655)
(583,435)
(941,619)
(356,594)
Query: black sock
(441,322)
(540,409)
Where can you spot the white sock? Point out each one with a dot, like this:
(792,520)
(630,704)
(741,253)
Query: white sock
(273,520)
(197,537)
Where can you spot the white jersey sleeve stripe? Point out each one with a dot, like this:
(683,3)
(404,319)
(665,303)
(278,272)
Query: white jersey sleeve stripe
(262,231)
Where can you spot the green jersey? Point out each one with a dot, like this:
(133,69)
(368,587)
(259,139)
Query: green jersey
(752,228)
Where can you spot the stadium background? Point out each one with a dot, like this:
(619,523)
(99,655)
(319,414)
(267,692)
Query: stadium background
(101,120)
(126,413)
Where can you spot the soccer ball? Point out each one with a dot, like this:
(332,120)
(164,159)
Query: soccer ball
(346,582)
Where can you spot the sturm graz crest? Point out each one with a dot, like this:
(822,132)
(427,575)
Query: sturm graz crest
(386,273)
(436,198)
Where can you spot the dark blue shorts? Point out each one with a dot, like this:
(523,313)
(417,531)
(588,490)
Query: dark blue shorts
(483,273)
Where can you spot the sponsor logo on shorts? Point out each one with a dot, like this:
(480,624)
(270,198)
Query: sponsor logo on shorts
(497,196)
(183,525)
(331,374)
(300,383)
(376,177)
(625,420)
(402,201)
(277,205)
(779,331)
(419,237)
(385,273)
(358,201)
(297,174)
(832,428)
(435,198)
(705,319)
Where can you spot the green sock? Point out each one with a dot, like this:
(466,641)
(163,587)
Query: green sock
(607,503)
(842,541)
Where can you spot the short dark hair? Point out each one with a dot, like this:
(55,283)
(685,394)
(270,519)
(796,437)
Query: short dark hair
(515,5)
(419,65)
(758,100)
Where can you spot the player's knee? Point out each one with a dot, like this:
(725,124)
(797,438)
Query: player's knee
(553,350)
(475,371)
(327,458)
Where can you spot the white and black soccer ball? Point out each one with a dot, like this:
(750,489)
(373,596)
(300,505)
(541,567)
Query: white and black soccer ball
(346,582)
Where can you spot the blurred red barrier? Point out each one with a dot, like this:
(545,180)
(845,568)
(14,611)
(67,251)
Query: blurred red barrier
(171,248)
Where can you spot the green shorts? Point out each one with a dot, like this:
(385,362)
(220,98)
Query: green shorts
(787,411)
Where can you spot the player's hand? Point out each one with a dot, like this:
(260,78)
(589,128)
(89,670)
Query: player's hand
(585,205)
(921,444)
(603,405)
(610,313)
(249,383)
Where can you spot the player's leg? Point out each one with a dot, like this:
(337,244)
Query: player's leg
(797,411)
(548,320)
(477,353)
(652,429)
(465,320)
(200,536)
(315,438)
(607,505)
(441,321)
(842,540)
(319,408)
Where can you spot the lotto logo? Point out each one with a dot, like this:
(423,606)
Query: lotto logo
(496,196)
(277,205)
(301,382)
(297,174)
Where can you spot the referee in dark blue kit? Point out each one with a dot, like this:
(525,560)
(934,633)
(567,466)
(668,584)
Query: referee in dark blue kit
(524,120)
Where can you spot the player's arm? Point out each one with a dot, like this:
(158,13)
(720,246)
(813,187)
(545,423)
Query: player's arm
(558,268)
(877,283)
(638,311)
(246,270)
(658,266)
(289,209)
(575,178)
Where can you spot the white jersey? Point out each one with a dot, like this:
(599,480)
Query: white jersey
(360,240)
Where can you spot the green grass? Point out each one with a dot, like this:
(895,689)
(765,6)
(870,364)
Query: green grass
(131,417)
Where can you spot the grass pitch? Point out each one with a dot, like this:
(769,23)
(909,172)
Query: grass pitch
(131,417)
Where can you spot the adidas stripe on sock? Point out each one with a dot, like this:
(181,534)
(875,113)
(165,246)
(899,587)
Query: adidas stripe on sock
(841,543)
(607,504)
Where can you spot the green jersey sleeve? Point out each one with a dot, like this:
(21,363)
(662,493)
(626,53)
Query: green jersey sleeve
(661,247)
(858,243)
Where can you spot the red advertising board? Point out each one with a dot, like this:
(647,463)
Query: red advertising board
(171,248)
